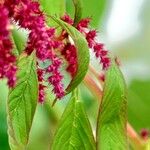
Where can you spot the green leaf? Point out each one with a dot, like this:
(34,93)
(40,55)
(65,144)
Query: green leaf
(83,56)
(3,118)
(78,11)
(20,38)
(139,99)
(111,127)
(22,103)
(53,7)
(70,8)
(74,131)
(91,8)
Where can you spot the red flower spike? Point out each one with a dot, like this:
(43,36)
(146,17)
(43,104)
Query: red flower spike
(40,73)
(41,93)
(56,77)
(41,38)
(91,35)
(7,59)
(84,23)
(98,48)
(70,55)
(67,19)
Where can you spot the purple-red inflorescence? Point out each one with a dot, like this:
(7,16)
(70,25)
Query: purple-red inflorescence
(70,54)
(69,50)
(67,19)
(47,45)
(98,48)
(100,52)
(40,73)
(7,59)
(41,38)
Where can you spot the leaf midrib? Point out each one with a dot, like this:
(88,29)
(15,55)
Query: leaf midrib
(74,118)
(25,81)
(22,97)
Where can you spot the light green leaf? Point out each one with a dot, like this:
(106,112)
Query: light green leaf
(111,128)
(139,99)
(78,11)
(19,38)
(74,131)
(53,7)
(22,103)
(83,56)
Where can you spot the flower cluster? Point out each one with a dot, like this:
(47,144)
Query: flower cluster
(83,26)
(67,19)
(40,73)
(69,51)
(42,39)
(48,46)
(70,54)
(7,59)
(98,48)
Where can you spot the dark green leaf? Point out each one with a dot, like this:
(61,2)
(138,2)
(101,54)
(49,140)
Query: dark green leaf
(3,118)
(22,103)
(91,8)
(74,131)
(111,128)
(82,54)
(78,11)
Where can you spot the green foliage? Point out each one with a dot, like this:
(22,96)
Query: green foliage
(139,99)
(83,56)
(22,103)
(74,131)
(91,8)
(53,7)
(78,11)
(19,38)
(111,129)
(3,121)
(70,8)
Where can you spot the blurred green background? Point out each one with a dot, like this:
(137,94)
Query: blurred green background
(124,26)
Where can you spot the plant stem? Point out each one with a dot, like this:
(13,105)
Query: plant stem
(94,88)
(136,142)
(96,74)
